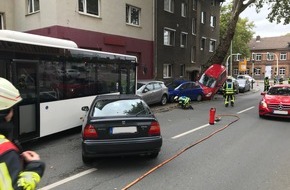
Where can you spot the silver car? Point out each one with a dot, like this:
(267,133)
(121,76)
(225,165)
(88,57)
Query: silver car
(152,92)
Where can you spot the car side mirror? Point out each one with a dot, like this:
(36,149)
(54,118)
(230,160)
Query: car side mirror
(263,93)
(85,108)
(145,90)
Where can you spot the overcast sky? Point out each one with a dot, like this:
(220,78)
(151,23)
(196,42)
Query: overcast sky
(263,27)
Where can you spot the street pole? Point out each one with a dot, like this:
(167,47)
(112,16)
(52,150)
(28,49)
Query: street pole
(231,65)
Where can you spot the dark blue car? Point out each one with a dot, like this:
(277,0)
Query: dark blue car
(190,89)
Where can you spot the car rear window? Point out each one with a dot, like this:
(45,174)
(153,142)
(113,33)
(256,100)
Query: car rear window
(128,107)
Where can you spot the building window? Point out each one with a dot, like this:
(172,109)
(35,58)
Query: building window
(270,56)
(194,4)
(169,5)
(212,44)
(213,2)
(169,37)
(236,57)
(193,27)
(258,57)
(167,71)
(213,21)
(236,71)
(193,54)
(202,43)
(183,39)
(257,71)
(202,17)
(133,15)
(91,7)
(183,9)
(283,56)
(182,70)
(1,21)
(282,71)
(33,6)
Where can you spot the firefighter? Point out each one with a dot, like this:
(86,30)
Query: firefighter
(18,170)
(275,79)
(266,84)
(229,92)
(184,102)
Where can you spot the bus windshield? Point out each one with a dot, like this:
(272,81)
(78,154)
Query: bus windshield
(207,81)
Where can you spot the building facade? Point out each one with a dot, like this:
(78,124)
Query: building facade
(171,38)
(270,56)
(187,33)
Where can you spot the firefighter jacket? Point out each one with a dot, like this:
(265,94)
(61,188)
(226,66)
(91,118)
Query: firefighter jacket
(229,88)
(15,174)
(266,82)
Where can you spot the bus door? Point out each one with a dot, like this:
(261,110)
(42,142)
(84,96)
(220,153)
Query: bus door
(26,116)
(127,79)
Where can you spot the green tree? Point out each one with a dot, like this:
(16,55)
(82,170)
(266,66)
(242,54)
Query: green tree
(280,12)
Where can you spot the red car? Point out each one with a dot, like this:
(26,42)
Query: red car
(212,79)
(276,102)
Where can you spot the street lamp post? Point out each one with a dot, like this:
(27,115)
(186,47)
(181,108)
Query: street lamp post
(227,63)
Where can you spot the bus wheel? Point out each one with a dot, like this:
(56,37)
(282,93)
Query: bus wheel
(163,100)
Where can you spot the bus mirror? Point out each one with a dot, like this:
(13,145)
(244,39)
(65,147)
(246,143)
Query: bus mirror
(85,108)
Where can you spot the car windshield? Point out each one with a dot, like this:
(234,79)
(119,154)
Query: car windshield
(281,91)
(207,81)
(108,108)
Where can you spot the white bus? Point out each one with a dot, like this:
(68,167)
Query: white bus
(56,78)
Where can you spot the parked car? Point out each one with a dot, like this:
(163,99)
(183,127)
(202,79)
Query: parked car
(190,89)
(276,101)
(152,92)
(236,84)
(175,83)
(244,85)
(212,79)
(246,77)
(119,125)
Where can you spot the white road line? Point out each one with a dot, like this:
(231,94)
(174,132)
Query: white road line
(245,110)
(191,131)
(51,186)
(206,125)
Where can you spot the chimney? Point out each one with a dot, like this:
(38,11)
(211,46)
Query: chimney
(258,38)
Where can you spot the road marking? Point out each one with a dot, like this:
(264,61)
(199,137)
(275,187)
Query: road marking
(51,186)
(191,131)
(245,110)
(206,125)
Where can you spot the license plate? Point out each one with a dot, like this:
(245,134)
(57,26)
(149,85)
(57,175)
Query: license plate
(118,130)
(280,112)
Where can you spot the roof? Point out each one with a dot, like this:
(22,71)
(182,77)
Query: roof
(26,38)
(280,42)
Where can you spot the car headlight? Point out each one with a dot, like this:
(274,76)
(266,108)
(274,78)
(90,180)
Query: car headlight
(263,104)
(209,94)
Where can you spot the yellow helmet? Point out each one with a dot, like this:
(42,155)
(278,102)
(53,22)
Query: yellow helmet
(9,95)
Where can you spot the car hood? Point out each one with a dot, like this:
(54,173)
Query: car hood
(275,99)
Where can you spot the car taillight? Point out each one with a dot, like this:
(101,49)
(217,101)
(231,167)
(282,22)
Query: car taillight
(90,132)
(154,129)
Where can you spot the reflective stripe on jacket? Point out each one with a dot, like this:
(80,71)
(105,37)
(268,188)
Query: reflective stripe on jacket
(229,88)
(12,173)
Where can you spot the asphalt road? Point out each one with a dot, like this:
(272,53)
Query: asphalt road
(241,152)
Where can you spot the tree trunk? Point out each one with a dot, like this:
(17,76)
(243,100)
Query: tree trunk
(225,41)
